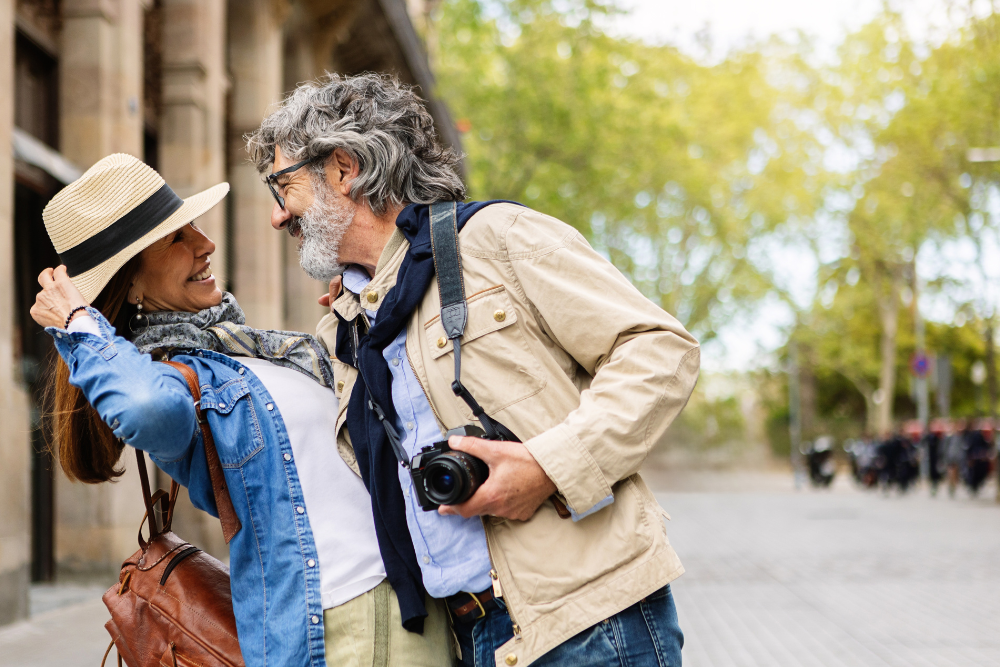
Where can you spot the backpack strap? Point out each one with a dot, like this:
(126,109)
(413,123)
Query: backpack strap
(223,503)
(161,496)
(454,308)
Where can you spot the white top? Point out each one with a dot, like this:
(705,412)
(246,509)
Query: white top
(337,502)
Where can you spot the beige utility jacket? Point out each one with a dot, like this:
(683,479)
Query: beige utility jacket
(565,352)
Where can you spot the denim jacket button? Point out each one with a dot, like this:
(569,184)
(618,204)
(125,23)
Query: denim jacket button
(270,406)
(315,620)
(288,457)
(311,563)
(242,370)
(300,510)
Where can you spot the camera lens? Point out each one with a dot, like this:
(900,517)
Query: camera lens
(453,477)
(443,482)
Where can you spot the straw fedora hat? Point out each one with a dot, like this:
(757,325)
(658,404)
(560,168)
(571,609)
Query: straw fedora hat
(117,209)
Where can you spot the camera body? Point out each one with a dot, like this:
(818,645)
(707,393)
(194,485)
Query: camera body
(443,476)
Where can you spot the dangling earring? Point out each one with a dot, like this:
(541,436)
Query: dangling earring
(138,320)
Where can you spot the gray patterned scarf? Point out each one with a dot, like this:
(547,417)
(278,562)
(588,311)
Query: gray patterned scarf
(221,329)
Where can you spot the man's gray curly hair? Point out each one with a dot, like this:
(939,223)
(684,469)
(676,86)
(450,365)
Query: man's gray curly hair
(379,122)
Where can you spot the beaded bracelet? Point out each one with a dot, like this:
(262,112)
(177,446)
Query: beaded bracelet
(73,312)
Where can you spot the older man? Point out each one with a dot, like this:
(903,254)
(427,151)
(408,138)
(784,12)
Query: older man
(561,556)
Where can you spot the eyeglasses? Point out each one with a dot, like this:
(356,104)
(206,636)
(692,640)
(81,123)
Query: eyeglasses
(272,179)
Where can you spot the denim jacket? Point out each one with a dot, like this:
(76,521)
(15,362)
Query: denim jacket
(276,595)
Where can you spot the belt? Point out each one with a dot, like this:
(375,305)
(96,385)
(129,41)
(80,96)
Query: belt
(470,607)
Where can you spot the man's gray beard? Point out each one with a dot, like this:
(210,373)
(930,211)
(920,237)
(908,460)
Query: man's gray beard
(322,229)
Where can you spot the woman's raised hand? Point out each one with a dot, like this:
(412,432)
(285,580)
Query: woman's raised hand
(58,298)
(327,299)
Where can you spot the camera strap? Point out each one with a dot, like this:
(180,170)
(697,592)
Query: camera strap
(454,308)
(390,430)
(454,317)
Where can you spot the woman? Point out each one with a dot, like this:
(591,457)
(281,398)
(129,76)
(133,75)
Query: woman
(307,579)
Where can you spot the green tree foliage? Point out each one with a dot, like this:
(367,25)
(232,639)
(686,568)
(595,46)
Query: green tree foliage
(704,182)
(912,118)
(669,167)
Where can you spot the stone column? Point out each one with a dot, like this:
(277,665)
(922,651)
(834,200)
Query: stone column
(255,64)
(100,78)
(192,158)
(15,533)
(312,29)
(101,93)
(192,125)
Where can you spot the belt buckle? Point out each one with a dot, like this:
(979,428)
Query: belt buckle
(482,609)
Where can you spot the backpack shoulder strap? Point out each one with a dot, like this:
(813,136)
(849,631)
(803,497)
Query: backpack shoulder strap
(223,503)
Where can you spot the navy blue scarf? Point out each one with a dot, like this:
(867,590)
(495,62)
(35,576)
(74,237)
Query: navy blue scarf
(376,460)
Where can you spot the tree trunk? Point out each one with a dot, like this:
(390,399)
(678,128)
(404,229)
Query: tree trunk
(991,370)
(808,398)
(888,306)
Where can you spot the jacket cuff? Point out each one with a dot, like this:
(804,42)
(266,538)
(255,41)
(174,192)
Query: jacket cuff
(66,341)
(571,467)
(596,508)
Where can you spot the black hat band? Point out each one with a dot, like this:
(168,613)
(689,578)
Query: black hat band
(122,233)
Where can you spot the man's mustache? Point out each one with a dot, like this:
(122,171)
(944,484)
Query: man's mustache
(294,226)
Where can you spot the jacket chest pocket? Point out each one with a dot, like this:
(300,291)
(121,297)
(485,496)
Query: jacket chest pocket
(235,427)
(497,366)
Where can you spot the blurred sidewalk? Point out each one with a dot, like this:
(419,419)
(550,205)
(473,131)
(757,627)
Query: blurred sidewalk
(66,629)
(836,577)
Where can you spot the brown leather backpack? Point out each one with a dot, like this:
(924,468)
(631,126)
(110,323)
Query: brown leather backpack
(172,606)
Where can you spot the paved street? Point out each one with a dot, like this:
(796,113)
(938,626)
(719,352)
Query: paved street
(834,578)
(774,578)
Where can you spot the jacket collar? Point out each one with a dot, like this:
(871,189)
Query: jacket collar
(355,296)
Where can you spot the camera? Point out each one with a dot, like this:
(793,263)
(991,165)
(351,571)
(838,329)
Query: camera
(443,476)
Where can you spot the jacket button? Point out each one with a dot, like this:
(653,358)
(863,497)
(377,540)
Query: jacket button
(288,457)
(311,563)
(270,406)
(300,510)
(340,385)
(499,316)
(372,297)
(511,659)
(442,341)
(315,620)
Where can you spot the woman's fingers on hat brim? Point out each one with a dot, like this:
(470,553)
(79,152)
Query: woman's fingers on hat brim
(45,277)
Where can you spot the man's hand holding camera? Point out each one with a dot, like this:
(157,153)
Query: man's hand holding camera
(516,487)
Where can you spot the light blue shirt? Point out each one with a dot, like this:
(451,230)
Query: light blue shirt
(451,550)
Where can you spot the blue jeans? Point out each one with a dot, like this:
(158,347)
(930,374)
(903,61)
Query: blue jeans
(644,635)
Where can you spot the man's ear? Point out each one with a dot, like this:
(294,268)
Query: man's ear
(341,170)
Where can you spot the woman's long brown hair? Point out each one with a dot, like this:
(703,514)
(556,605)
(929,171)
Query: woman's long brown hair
(86,447)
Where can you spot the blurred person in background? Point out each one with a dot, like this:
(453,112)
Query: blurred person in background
(978,454)
(933,446)
(137,285)
(955,455)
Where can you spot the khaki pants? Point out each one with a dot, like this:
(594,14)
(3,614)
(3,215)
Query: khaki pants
(368,632)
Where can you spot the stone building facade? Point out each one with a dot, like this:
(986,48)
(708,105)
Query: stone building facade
(177,83)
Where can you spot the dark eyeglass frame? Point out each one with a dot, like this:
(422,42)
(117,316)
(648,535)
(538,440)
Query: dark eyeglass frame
(272,179)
